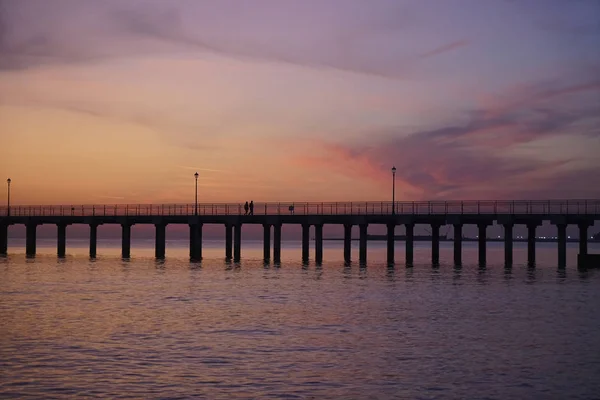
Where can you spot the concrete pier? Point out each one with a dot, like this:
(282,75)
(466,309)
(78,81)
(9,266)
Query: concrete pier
(277,243)
(305,242)
(266,242)
(562,245)
(61,240)
(482,243)
(458,244)
(531,228)
(362,247)
(583,237)
(30,239)
(228,241)
(3,239)
(237,242)
(347,242)
(126,240)
(391,228)
(319,243)
(159,240)
(435,244)
(508,244)
(93,239)
(410,239)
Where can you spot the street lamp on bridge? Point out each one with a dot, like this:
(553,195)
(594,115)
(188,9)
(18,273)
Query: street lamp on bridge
(196,202)
(393,190)
(8,181)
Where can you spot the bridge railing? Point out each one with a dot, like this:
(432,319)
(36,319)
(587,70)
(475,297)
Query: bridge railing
(541,207)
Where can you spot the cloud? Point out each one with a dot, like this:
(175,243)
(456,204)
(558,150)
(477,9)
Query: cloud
(445,48)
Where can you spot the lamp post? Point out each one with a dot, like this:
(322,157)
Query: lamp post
(393,190)
(196,202)
(8,202)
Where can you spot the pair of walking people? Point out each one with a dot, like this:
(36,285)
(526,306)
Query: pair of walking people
(249,208)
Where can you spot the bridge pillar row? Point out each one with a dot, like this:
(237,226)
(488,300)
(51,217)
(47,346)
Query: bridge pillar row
(267,242)
(347,242)
(319,243)
(583,237)
(482,242)
(305,242)
(531,228)
(159,240)
(277,243)
(410,244)
(61,240)
(391,238)
(3,239)
(93,239)
(508,243)
(458,243)
(30,238)
(362,249)
(562,244)
(126,240)
(228,241)
(435,243)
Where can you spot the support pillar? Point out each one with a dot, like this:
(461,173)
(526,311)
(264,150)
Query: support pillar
(482,243)
(390,242)
(435,244)
(267,242)
(159,240)
(3,239)
(362,251)
(61,242)
(531,244)
(508,244)
(410,244)
(305,241)
(458,244)
(237,242)
(228,241)
(30,241)
(277,243)
(126,240)
(93,240)
(583,238)
(562,245)
(347,242)
(319,243)
(199,241)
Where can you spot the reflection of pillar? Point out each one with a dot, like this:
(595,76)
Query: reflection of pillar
(237,242)
(30,241)
(347,242)
(125,240)
(562,245)
(61,245)
(319,243)
(390,242)
(305,241)
(410,230)
(277,243)
(435,243)
(362,251)
(266,242)
(457,244)
(3,239)
(228,240)
(93,240)
(531,244)
(482,241)
(583,238)
(508,244)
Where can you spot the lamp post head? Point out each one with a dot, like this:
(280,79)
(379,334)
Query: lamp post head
(393,170)
(8,181)
(196,175)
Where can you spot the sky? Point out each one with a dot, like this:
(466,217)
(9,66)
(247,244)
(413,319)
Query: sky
(121,101)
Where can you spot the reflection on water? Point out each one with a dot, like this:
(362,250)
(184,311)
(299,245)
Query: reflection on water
(143,328)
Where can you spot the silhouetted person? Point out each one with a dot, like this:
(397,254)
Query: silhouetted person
(291,209)
(251,207)
(246,208)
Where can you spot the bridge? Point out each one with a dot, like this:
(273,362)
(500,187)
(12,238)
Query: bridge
(272,216)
